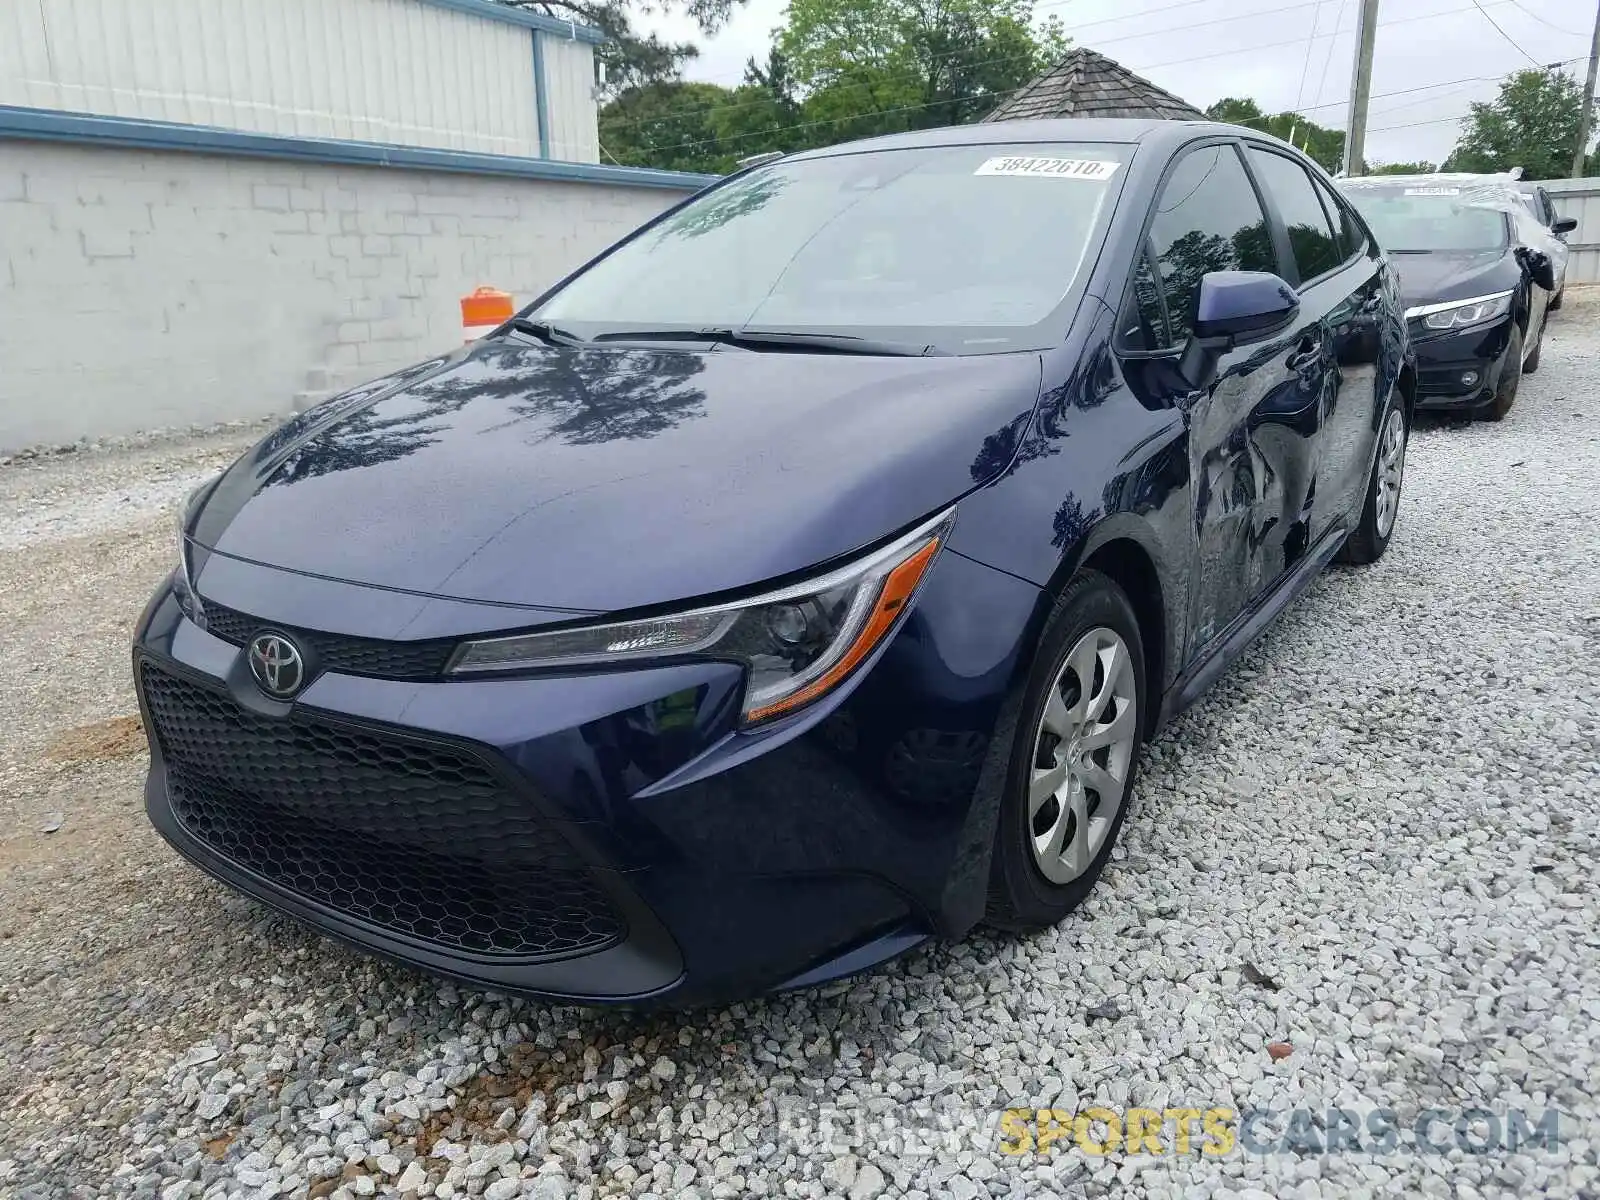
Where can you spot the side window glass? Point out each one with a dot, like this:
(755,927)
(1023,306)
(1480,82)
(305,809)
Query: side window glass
(1351,238)
(1207,219)
(1143,324)
(1311,237)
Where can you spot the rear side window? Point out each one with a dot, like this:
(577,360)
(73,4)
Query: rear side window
(1311,237)
(1207,218)
(1352,238)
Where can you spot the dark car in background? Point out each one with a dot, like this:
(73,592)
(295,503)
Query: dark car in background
(796,581)
(1476,278)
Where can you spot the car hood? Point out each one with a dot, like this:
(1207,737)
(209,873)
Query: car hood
(1439,276)
(606,479)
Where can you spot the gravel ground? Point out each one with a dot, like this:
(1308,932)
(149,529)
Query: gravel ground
(1373,845)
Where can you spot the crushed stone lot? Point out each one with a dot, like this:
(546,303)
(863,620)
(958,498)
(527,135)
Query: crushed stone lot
(1374,845)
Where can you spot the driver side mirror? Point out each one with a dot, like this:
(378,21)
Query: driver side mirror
(1564,225)
(1233,308)
(1539,267)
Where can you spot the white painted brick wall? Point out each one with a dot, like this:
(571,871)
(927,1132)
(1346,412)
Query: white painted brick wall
(145,290)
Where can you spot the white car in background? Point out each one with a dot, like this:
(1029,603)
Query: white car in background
(1552,230)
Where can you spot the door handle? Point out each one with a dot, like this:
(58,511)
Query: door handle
(1306,354)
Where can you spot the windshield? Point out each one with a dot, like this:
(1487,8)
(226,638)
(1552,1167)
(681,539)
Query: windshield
(966,248)
(1426,217)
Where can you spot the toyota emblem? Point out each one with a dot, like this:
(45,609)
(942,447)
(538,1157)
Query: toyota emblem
(276,664)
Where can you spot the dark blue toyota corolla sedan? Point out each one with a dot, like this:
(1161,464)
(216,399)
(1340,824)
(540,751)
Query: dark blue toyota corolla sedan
(795,582)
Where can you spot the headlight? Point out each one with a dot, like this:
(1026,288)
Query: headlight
(183,588)
(797,644)
(1455,314)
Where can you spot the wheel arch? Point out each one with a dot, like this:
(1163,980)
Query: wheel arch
(1407,383)
(1125,550)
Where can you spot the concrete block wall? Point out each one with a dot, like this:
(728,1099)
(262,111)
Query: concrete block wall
(146,289)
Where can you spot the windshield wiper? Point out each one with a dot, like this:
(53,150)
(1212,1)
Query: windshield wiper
(776,339)
(544,331)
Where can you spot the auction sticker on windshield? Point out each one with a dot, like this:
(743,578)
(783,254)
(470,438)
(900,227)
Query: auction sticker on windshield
(1057,168)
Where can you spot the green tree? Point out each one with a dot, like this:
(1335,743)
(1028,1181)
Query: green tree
(631,58)
(764,113)
(1403,168)
(1324,145)
(878,66)
(671,125)
(1532,124)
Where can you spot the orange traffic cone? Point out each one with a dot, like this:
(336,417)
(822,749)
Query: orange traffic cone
(485,309)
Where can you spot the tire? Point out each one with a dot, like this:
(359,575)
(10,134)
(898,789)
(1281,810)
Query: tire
(1510,377)
(1530,364)
(1556,300)
(1091,631)
(1380,506)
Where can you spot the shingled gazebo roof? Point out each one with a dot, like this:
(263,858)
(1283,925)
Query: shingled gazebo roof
(1086,84)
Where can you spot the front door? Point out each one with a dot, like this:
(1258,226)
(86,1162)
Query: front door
(1252,432)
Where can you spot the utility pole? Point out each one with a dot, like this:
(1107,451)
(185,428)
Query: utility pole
(1355,136)
(1588,101)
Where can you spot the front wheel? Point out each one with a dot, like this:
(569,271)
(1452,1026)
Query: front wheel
(1072,764)
(1381,508)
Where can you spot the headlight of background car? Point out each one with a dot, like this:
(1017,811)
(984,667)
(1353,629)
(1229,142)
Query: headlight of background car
(1475,313)
(796,644)
(182,587)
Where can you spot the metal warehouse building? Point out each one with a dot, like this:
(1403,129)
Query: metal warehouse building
(246,206)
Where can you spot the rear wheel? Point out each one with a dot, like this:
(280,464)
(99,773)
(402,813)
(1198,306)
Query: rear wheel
(1072,765)
(1510,377)
(1555,301)
(1382,505)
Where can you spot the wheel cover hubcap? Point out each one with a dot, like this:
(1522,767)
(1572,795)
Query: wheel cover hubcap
(1391,471)
(1082,751)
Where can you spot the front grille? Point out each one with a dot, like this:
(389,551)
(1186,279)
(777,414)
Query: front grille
(334,652)
(418,838)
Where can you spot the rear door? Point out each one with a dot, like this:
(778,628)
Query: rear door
(1208,217)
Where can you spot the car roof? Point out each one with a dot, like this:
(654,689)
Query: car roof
(1475,177)
(1158,134)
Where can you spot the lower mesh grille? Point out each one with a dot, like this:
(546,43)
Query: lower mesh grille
(418,838)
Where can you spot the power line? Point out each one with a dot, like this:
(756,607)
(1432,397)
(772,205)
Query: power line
(1305,65)
(1465,83)
(915,107)
(1011,58)
(1529,12)
(1416,124)
(1505,35)
(1078,27)
(738,137)
(1322,80)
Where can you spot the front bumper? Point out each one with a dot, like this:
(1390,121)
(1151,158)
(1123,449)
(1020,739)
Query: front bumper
(1446,360)
(604,836)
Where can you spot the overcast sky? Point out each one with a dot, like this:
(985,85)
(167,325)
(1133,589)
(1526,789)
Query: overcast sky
(1294,55)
